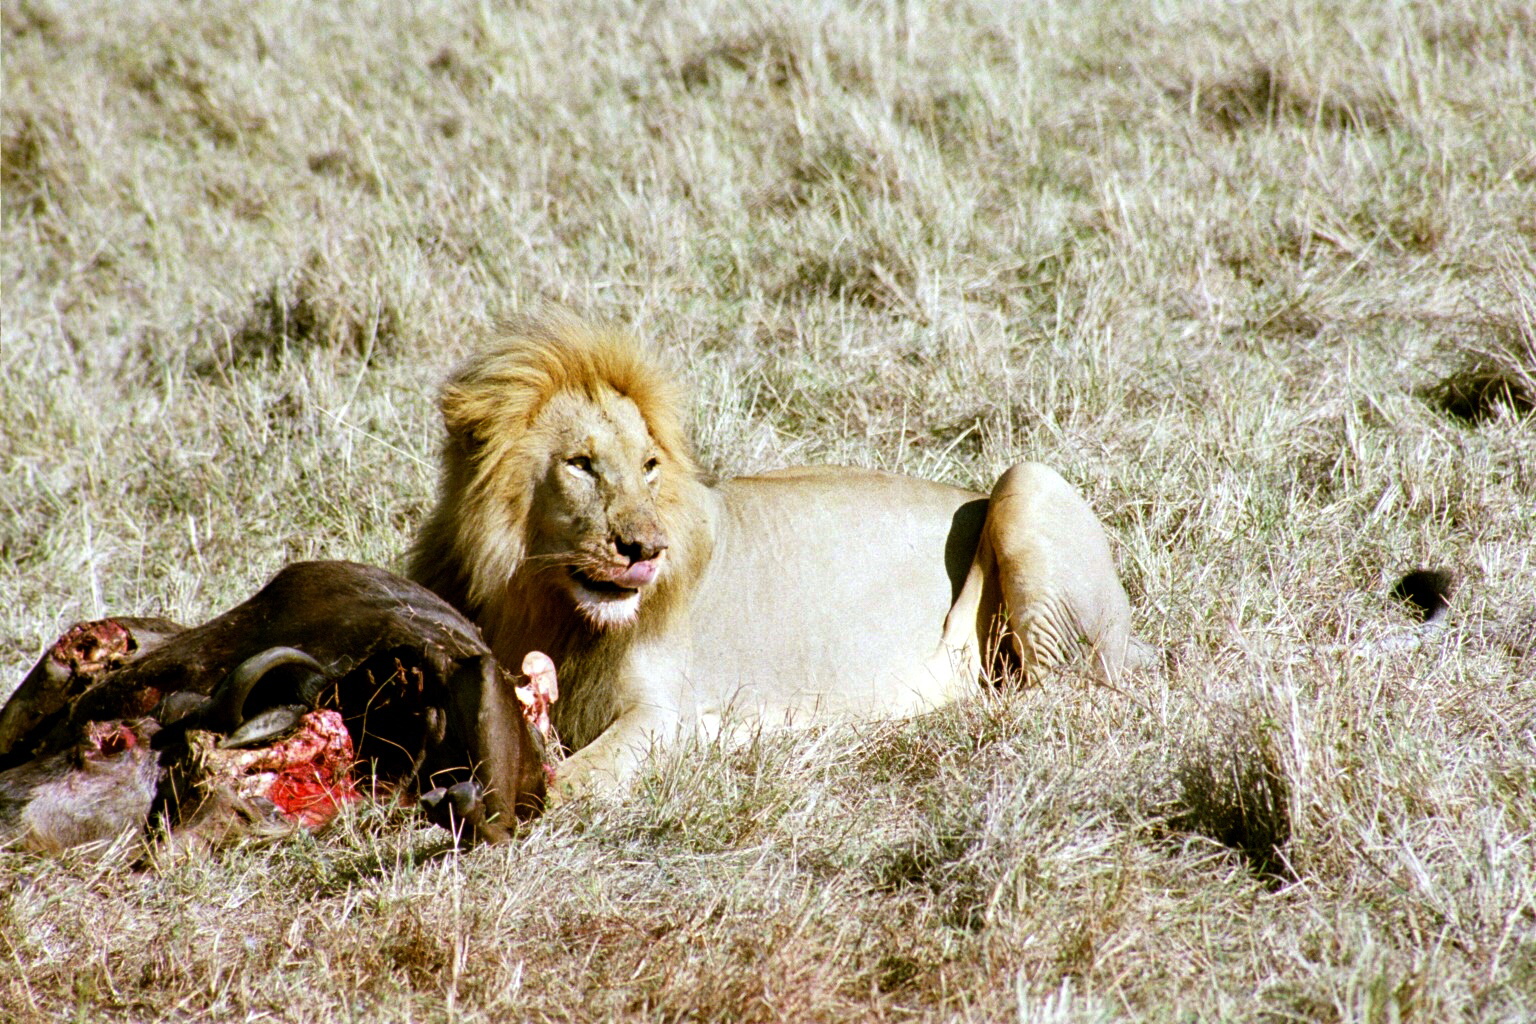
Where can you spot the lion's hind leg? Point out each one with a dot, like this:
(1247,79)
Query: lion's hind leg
(1050,565)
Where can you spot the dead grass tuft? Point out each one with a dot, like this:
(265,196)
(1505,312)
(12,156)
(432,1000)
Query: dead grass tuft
(766,56)
(343,166)
(192,92)
(1263,96)
(416,949)
(874,277)
(771,57)
(840,170)
(1499,376)
(23,18)
(1233,788)
(28,182)
(1458,32)
(941,865)
(299,314)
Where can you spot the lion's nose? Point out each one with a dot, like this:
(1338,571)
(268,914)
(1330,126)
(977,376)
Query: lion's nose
(640,549)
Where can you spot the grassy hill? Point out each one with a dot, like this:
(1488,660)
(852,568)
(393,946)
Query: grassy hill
(1259,278)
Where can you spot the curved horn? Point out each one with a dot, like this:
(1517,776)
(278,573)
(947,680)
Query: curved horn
(223,710)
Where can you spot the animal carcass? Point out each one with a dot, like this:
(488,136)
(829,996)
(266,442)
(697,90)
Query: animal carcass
(262,713)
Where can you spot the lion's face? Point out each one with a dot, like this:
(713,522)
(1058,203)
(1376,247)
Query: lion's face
(568,490)
(594,532)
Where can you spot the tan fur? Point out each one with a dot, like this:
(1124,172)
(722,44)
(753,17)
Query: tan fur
(471,551)
(472,544)
(835,592)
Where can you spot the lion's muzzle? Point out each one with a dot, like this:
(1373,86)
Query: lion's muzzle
(637,555)
(644,545)
(607,591)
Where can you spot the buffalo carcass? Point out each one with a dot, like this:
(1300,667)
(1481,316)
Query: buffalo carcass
(259,715)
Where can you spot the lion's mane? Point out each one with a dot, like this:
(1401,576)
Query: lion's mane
(472,549)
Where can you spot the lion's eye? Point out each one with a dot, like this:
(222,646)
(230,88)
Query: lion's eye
(580,463)
(652,467)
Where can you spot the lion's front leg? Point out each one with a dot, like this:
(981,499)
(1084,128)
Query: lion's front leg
(612,759)
(645,695)
(1044,553)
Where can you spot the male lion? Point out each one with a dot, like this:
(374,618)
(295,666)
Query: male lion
(572,520)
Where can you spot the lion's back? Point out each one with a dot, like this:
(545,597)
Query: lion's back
(826,586)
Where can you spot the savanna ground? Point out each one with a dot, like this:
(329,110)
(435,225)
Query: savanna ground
(1259,278)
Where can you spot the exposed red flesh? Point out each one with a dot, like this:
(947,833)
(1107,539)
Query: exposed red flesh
(307,776)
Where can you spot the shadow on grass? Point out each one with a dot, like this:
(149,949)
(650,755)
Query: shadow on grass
(1232,787)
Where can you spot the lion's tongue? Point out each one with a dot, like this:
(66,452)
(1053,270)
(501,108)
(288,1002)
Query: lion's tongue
(637,575)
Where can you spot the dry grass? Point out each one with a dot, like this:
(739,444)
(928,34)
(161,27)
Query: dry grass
(1243,273)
